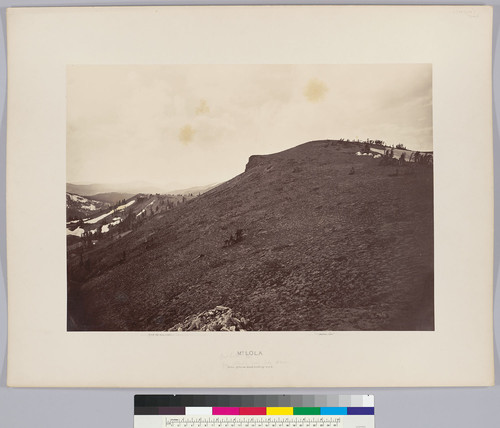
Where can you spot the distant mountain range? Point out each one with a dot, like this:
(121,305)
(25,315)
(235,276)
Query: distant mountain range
(111,197)
(194,190)
(101,191)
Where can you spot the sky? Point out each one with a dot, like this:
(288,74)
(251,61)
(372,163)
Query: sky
(188,125)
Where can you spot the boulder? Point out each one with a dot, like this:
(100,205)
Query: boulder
(221,318)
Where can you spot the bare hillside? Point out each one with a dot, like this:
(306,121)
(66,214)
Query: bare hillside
(312,238)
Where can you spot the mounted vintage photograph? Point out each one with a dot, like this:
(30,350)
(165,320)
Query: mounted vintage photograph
(249,197)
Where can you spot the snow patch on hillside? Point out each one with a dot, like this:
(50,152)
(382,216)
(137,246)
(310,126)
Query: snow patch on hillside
(90,207)
(144,209)
(120,208)
(77,198)
(77,232)
(98,219)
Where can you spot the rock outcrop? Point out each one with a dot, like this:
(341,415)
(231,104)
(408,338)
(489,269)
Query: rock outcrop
(255,160)
(221,318)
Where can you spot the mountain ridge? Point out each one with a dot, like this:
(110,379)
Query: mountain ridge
(319,249)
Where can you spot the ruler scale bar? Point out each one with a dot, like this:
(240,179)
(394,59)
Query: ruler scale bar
(283,422)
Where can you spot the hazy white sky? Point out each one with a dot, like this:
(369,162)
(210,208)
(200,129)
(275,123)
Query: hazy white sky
(187,125)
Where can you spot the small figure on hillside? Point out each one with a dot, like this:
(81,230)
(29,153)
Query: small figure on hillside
(351,172)
(234,239)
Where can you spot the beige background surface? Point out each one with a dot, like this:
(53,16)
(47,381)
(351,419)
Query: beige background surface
(457,41)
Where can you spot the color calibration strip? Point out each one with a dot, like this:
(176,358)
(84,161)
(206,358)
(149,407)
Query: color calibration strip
(274,405)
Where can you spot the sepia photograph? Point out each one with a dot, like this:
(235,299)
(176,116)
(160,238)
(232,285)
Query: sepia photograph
(250,197)
(261,202)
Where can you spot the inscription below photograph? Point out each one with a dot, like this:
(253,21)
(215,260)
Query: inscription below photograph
(249,198)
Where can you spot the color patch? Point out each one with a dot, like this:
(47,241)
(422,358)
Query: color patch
(334,411)
(146,410)
(279,411)
(171,410)
(360,410)
(307,410)
(261,411)
(199,411)
(225,411)
(368,401)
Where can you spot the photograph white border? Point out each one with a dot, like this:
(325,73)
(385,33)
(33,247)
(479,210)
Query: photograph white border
(456,40)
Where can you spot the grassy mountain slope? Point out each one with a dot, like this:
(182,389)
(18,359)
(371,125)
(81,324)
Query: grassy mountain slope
(322,249)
